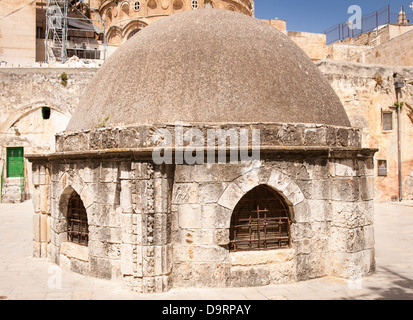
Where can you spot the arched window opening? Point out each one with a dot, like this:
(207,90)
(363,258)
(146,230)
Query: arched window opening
(152,4)
(109,16)
(77,225)
(260,221)
(125,10)
(178,5)
(133,33)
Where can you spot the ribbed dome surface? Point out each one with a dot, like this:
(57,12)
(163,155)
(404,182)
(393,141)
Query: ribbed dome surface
(208,66)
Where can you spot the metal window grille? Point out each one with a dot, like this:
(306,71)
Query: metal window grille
(77,221)
(387,120)
(260,221)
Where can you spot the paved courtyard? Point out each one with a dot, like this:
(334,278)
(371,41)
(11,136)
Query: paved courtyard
(24,277)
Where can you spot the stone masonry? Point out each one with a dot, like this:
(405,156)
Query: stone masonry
(163,226)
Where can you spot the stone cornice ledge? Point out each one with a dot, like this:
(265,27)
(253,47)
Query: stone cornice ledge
(266,152)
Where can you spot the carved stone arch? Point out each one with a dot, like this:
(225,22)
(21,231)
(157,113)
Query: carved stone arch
(64,201)
(231,8)
(70,182)
(132,27)
(25,110)
(70,179)
(109,15)
(151,6)
(178,5)
(277,180)
(124,9)
(61,216)
(114,35)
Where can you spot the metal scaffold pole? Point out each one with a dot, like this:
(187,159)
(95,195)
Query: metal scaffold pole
(63,16)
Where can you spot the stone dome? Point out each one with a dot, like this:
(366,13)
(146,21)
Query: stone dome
(208,66)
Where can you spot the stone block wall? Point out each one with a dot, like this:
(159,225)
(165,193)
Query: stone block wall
(163,226)
(395,52)
(313,44)
(25,91)
(331,203)
(367,91)
(17,32)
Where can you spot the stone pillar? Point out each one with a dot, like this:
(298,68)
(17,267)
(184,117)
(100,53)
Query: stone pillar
(41,206)
(146,240)
(352,231)
(129,232)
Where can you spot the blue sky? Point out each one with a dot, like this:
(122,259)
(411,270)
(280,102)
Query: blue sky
(319,15)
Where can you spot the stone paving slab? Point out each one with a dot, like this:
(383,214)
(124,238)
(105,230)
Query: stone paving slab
(23,277)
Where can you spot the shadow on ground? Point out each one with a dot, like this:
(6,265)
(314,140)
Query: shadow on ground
(396,287)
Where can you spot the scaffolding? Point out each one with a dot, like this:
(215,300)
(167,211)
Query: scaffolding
(63,16)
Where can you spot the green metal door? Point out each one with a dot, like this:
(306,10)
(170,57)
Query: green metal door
(15,162)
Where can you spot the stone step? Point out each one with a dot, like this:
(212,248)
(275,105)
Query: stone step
(12,191)
(11,198)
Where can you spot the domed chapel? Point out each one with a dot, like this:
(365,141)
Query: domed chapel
(301,209)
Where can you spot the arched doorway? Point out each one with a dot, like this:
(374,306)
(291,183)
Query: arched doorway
(260,221)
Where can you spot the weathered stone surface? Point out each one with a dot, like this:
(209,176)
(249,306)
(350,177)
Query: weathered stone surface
(311,266)
(351,240)
(185,193)
(315,136)
(200,253)
(210,192)
(357,264)
(190,216)
(230,197)
(249,258)
(345,189)
(75,251)
(352,214)
(101,267)
(215,217)
(346,168)
(155,226)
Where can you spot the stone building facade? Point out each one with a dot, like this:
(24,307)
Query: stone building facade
(35,105)
(369,96)
(106,208)
(17,39)
(354,83)
(126,18)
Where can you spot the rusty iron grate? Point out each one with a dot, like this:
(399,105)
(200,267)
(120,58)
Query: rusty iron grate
(77,226)
(260,221)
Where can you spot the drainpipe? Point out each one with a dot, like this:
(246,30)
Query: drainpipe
(1,180)
(398,85)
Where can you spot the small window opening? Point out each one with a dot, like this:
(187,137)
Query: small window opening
(137,6)
(387,118)
(194,4)
(382,168)
(46,113)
